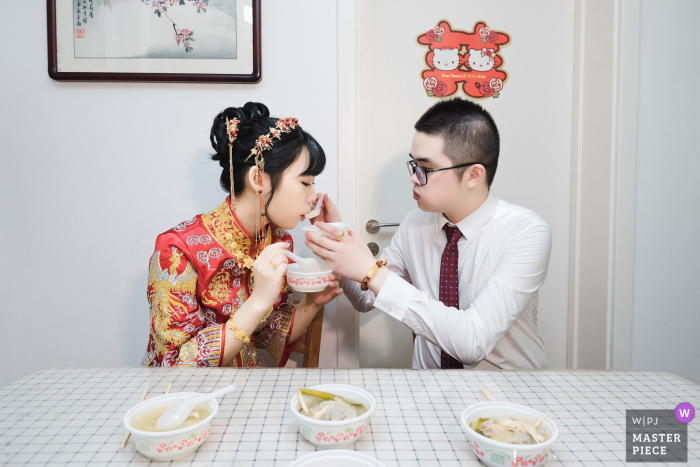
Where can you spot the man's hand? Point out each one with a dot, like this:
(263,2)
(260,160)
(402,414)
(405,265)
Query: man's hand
(349,257)
(329,213)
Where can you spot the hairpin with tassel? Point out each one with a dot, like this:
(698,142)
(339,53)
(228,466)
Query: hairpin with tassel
(231,131)
(264,143)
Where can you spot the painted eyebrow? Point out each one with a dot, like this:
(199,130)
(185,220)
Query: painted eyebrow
(422,159)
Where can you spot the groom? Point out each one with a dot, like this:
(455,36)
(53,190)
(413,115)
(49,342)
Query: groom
(464,270)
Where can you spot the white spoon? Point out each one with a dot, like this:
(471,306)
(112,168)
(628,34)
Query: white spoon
(178,412)
(307,264)
(317,209)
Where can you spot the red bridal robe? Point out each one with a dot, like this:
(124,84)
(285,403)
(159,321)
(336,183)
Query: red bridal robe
(199,275)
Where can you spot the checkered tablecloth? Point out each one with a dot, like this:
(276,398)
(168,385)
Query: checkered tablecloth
(69,416)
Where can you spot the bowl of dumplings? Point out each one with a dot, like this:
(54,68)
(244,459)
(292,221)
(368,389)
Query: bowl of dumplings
(332,415)
(503,433)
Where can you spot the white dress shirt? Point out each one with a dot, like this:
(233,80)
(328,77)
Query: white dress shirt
(503,258)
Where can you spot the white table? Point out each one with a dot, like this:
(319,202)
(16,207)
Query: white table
(69,416)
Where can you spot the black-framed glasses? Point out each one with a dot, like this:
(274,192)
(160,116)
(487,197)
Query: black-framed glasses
(422,172)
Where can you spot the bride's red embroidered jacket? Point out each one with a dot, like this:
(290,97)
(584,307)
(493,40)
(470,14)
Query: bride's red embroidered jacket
(199,275)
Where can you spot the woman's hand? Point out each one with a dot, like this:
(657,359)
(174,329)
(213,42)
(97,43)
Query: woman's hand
(326,295)
(269,270)
(348,257)
(329,213)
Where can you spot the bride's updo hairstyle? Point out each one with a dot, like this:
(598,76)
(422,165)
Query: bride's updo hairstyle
(255,121)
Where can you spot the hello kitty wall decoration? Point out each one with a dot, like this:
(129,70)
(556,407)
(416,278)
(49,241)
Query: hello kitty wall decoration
(470,60)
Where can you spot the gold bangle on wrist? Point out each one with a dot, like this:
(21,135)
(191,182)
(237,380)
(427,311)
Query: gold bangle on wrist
(308,302)
(238,333)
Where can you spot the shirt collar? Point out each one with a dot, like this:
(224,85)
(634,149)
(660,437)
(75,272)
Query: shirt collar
(471,224)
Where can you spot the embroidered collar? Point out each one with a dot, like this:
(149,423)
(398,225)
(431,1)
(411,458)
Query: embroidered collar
(224,226)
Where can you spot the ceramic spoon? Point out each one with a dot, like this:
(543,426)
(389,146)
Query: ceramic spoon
(178,412)
(307,264)
(316,210)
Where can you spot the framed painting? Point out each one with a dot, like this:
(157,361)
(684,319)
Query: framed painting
(154,40)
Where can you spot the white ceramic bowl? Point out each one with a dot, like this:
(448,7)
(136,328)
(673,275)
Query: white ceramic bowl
(344,226)
(335,434)
(496,453)
(337,458)
(308,281)
(168,445)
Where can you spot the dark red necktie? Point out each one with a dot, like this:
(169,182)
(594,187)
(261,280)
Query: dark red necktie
(449,293)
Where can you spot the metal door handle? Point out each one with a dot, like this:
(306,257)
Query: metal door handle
(374,226)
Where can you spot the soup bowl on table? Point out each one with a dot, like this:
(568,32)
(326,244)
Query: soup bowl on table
(171,444)
(335,433)
(496,453)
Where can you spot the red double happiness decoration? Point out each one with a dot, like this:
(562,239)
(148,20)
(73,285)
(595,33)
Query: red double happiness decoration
(471,59)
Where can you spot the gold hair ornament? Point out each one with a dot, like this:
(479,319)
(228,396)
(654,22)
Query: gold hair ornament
(231,131)
(264,143)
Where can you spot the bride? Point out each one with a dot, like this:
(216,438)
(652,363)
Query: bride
(217,282)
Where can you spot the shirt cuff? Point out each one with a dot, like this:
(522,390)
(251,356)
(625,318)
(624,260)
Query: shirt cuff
(395,296)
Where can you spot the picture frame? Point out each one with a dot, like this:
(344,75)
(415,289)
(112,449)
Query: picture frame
(154,40)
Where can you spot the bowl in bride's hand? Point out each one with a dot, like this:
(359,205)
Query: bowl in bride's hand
(308,281)
(344,226)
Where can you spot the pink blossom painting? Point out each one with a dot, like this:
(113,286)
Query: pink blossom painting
(155,29)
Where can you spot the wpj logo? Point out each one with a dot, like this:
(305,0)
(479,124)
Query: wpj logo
(656,436)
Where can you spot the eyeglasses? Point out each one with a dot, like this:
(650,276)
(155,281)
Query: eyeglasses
(422,172)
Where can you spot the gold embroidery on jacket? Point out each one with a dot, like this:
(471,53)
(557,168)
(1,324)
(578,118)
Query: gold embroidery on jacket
(175,260)
(165,305)
(188,351)
(219,290)
(221,224)
(249,357)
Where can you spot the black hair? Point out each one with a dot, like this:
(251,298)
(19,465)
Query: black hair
(255,121)
(468,131)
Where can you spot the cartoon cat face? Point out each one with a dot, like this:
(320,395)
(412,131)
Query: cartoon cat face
(446,59)
(477,62)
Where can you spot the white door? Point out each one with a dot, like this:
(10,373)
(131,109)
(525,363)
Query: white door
(567,116)
(382,102)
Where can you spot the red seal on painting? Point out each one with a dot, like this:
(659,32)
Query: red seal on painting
(80,33)
(458,59)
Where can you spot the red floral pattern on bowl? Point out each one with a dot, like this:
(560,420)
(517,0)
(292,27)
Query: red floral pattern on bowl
(185,443)
(309,281)
(342,436)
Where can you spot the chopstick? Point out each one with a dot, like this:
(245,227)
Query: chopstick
(489,395)
(143,397)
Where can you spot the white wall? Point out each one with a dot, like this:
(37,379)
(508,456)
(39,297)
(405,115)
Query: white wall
(91,173)
(666,324)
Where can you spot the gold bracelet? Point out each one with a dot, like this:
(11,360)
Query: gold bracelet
(308,302)
(371,273)
(238,333)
